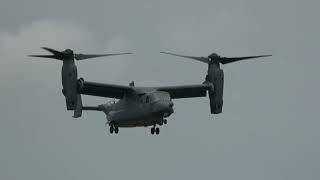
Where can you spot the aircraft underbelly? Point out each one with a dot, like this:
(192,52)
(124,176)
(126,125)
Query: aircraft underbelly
(134,119)
(140,122)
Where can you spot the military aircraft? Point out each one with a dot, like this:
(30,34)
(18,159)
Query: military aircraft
(138,106)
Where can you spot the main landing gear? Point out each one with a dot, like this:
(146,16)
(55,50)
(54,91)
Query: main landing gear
(114,128)
(155,129)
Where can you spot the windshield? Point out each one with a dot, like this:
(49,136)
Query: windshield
(159,95)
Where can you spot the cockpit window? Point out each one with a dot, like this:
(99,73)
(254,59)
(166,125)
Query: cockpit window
(156,96)
(164,95)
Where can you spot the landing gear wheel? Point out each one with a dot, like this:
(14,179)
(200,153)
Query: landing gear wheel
(165,121)
(116,129)
(152,130)
(157,130)
(111,129)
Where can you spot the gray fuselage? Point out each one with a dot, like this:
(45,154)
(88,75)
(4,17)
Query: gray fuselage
(139,110)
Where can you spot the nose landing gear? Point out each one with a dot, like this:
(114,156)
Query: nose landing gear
(165,121)
(162,122)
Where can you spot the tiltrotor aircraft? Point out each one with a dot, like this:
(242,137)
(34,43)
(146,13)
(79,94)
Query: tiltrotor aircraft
(138,106)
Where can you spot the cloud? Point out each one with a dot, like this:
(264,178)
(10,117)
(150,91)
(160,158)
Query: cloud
(14,47)
(60,35)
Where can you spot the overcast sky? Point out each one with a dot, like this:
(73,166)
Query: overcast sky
(269,128)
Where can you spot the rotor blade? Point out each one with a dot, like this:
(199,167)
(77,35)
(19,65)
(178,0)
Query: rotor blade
(45,56)
(201,59)
(55,52)
(88,56)
(226,60)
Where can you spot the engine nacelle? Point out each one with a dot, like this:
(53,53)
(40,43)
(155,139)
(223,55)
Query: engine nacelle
(69,82)
(216,77)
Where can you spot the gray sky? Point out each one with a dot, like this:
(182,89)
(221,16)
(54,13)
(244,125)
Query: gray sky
(269,126)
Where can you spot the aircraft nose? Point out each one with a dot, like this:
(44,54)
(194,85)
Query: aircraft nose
(166,107)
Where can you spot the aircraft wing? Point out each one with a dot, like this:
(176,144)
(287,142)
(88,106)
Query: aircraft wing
(104,90)
(186,91)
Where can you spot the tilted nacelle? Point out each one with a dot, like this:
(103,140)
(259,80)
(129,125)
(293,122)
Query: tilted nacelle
(69,74)
(216,77)
(69,82)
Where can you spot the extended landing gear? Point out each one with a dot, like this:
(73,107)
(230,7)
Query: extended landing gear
(114,128)
(162,122)
(155,130)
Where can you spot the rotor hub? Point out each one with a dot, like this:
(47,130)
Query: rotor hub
(68,51)
(214,58)
(68,54)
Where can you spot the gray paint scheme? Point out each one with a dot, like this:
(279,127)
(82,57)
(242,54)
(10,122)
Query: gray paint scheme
(269,128)
(138,106)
